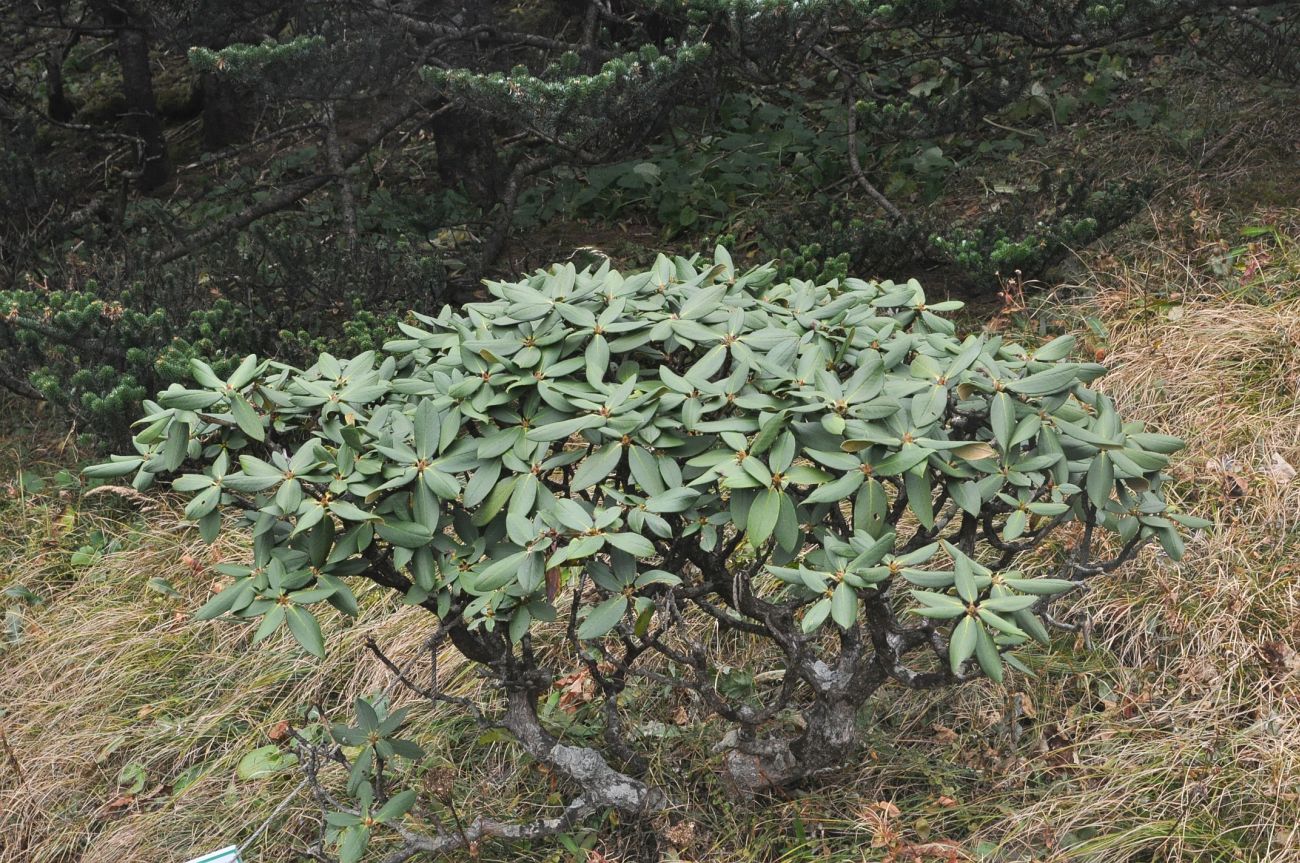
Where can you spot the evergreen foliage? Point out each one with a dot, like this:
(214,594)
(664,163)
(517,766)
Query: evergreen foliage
(607,468)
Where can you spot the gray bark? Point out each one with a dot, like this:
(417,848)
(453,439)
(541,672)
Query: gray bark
(827,741)
(602,785)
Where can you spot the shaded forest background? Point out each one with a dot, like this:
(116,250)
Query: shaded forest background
(214,178)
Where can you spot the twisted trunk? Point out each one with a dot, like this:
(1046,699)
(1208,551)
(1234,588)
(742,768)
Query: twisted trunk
(828,739)
(602,786)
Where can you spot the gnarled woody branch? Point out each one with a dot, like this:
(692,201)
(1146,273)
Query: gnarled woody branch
(602,786)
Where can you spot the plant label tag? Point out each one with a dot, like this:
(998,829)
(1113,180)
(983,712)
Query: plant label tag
(225,855)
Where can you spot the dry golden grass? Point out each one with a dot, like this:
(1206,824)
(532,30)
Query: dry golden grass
(107,672)
(1188,749)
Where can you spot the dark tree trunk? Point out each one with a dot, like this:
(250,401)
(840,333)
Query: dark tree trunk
(467,154)
(137,87)
(137,90)
(602,786)
(467,157)
(58,104)
(227,119)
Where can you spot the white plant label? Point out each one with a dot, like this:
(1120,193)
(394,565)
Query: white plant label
(225,855)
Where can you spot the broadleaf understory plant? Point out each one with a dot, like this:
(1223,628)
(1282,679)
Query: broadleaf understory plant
(608,471)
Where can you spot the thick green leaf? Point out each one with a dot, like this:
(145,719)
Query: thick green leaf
(206,377)
(964,636)
(1158,443)
(964,578)
(188,400)
(341,819)
(264,761)
(565,428)
(603,617)
(870,509)
(354,842)
(502,571)
(1008,603)
(1191,521)
(244,375)
(838,489)
(844,606)
(1057,349)
(203,503)
(1015,525)
(1000,623)
(966,495)
(816,615)
(986,652)
(224,601)
(1039,586)
(919,499)
(114,468)
(633,543)
(396,807)
(672,500)
(1002,419)
(306,631)
(1053,380)
(350,511)
(1100,480)
(787,532)
(246,417)
(762,516)
(902,461)
(597,467)
(406,534)
(929,405)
